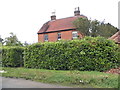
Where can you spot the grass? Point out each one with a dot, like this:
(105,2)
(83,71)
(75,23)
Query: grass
(82,79)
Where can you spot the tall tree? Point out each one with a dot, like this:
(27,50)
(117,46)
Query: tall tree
(25,43)
(82,25)
(94,27)
(1,40)
(106,30)
(12,40)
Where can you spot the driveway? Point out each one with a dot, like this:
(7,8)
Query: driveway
(22,83)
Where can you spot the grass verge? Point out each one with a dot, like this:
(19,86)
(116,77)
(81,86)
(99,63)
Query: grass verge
(82,79)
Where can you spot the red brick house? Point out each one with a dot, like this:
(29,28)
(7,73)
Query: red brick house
(60,29)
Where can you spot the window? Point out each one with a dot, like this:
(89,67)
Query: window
(59,36)
(45,37)
(74,34)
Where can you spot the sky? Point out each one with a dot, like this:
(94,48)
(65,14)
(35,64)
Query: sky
(25,17)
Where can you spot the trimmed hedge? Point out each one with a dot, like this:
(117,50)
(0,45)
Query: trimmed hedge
(89,53)
(12,56)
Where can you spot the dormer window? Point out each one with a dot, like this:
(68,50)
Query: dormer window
(45,37)
(59,36)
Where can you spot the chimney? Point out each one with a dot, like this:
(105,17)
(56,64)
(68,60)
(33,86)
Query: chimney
(53,17)
(77,11)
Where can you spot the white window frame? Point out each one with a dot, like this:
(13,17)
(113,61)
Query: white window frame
(46,39)
(74,34)
(58,36)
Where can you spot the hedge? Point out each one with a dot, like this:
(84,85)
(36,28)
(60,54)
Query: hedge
(12,56)
(90,53)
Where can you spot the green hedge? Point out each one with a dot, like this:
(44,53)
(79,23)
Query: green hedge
(86,54)
(12,56)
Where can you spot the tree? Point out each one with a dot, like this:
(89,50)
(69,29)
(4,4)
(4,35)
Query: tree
(12,40)
(106,30)
(82,25)
(94,28)
(25,43)
(1,40)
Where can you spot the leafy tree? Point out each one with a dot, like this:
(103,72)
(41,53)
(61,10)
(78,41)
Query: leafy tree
(25,43)
(1,40)
(12,40)
(83,25)
(106,30)
(94,28)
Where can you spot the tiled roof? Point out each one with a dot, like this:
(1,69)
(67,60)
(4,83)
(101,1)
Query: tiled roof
(59,24)
(116,37)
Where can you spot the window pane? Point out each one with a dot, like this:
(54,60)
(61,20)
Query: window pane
(46,37)
(59,36)
(74,34)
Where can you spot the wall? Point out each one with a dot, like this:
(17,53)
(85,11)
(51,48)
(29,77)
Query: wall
(52,37)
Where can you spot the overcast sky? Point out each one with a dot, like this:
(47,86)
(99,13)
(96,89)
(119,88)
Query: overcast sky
(25,17)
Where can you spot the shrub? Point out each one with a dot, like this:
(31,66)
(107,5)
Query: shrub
(12,56)
(86,54)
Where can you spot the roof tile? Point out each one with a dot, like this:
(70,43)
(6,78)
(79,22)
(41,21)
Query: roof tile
(59,24)
(116,37)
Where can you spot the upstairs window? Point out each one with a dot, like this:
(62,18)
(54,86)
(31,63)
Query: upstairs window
(74,34)
(45,37)
(59,36)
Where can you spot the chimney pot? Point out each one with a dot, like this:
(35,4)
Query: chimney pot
(77,11)
(53,17)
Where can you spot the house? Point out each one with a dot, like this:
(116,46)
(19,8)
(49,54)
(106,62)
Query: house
(60,29)
(116,37)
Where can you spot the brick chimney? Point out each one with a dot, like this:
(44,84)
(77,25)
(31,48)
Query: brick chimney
(77,11)
(53,17)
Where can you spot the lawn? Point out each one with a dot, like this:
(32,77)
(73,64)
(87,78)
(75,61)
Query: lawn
(82,79)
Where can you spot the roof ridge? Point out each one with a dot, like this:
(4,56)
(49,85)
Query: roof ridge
(67,17)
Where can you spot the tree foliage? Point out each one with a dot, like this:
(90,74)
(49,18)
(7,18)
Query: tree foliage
(106,30)
(94,28)
(83,25)
(12,40)
(25,43)
(1,41)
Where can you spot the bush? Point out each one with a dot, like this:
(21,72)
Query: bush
(86,54)
(12,56)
